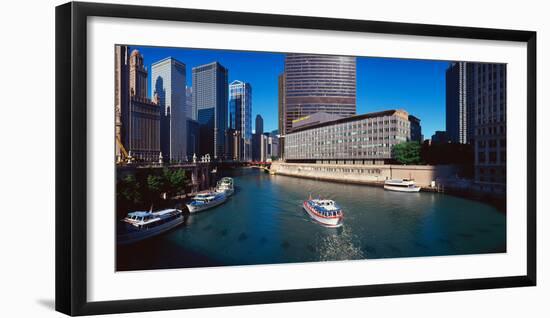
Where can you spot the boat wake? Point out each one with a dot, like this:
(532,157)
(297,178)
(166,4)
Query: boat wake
(339,247)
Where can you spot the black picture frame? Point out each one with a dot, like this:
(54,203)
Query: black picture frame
(71,157)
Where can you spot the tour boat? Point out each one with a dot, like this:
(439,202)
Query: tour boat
(206,200)
(324,211)
(402,185)
(140,225)
(225,185)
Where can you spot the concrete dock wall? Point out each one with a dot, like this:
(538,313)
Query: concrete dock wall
(366,174)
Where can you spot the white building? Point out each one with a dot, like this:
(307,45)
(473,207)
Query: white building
(168,77)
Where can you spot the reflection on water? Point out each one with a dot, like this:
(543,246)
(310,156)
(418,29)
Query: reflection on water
(264,223)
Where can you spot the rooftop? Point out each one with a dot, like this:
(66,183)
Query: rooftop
(390,112)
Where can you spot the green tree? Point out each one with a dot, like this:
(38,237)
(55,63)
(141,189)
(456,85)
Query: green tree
(155,186)
(175,180)
(129,189)
(407,153)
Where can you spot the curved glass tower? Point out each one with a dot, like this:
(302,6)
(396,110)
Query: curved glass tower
(318,83)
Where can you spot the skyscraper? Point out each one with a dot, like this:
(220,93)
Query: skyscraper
(258,139)
(168,77)
(240,115)
(122,95)
(259,128)
(137,118)
(457,118)
(189,109)
(210,90)
(318,83)
(486,86)
(281,109)
(281,114)
(476,114)
(138,75)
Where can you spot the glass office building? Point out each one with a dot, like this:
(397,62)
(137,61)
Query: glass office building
(318,83)
(240,115)
(210,90)
(168,77)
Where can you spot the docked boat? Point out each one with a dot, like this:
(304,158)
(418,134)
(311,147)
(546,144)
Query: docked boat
(226,186)
(140,225)
(401,185)
(206,200)
(324,211)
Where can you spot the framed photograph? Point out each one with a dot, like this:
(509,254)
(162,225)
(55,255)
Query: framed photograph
(209,158)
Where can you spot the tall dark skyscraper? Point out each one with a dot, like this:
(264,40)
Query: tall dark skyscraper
(281,116)
(259,128)
(476,114)
(486,92)
(458,120)
(281,108)
(210,98)
(318,83)
(257,139)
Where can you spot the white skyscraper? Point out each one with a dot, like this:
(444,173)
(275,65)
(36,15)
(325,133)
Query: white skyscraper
(169,84)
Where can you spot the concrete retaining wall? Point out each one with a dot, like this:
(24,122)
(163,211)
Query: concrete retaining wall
(366,174)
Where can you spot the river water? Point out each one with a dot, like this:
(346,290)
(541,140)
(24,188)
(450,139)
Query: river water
(264,223)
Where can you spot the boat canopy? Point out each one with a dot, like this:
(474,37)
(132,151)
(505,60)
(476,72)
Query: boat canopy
(139,214)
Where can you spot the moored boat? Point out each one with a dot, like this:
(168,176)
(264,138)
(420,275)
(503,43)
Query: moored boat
(324,211)
(401,185)
(226,186)
(206,200)
(140,225)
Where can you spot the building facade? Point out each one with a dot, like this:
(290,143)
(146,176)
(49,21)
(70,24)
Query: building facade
(281,103)
(365,139)
(190,110)
(240,115)
(476,114)
(487,100)
(458,117)
(416,129)
(273,150)
(281,114)
(122,96)
(193,138)
(257,139)
(440,137)
(138,75)
(318,83)
(168,76)
(210,98)
(137,118)
(143,130)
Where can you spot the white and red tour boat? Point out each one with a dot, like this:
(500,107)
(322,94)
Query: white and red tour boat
(324,211)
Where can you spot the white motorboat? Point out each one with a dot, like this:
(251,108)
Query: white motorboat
(324,211)
(140,225)
(401,185)
(226,186)
(206,200)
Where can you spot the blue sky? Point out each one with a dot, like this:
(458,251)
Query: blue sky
(417,86)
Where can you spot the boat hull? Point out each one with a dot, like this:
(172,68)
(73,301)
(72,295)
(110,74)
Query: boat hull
(203,207)
(401,189)
(138,236)
(325,221)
